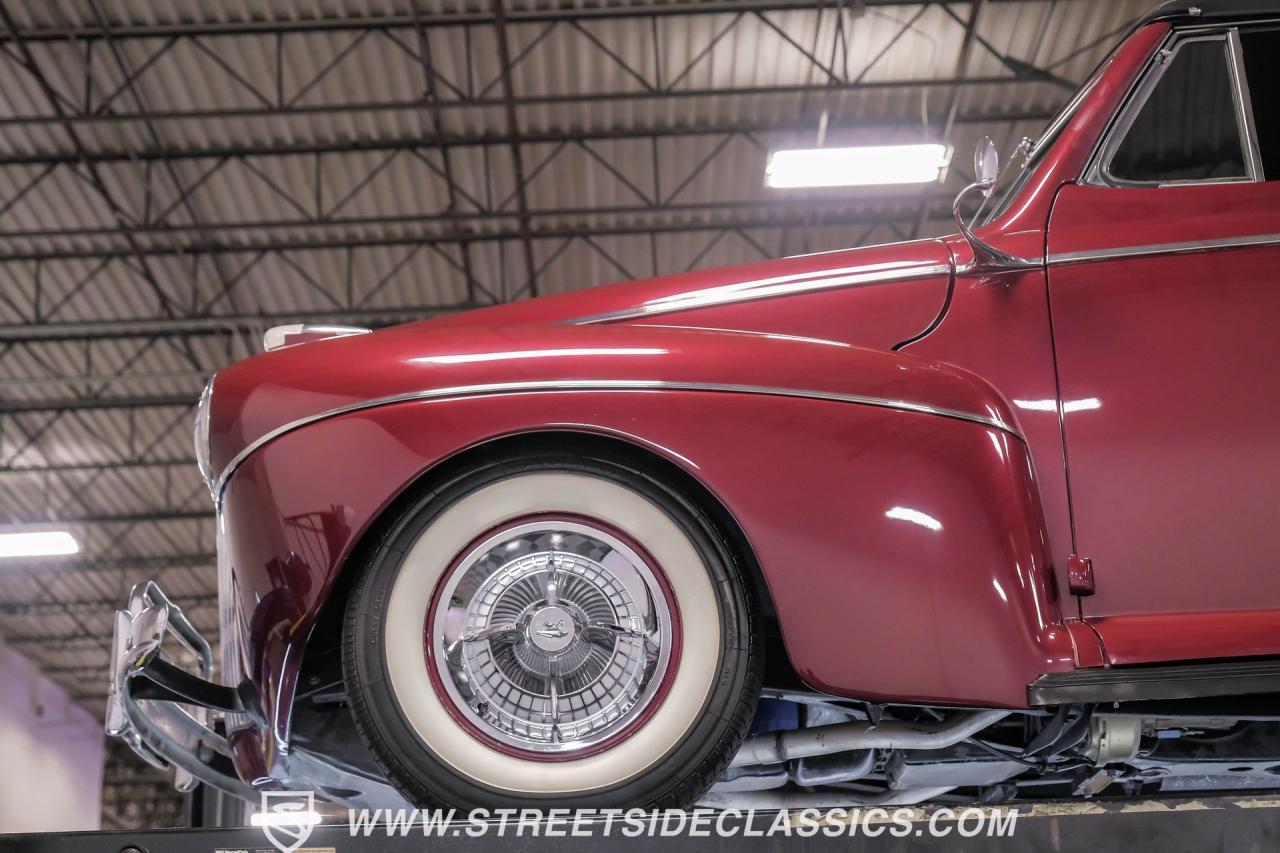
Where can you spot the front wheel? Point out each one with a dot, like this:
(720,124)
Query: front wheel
(552,631)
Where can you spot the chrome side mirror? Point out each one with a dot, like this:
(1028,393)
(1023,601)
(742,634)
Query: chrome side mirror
(986,165)
(986,258)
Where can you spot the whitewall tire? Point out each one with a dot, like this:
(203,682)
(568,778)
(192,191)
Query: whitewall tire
(551,630)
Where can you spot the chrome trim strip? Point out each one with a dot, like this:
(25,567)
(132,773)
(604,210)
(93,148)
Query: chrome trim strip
(766,288)
(544,386)
(1244,104)
(1097,172)
(1182,248)
(1213,26)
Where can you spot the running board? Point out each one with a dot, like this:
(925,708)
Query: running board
(1139,683)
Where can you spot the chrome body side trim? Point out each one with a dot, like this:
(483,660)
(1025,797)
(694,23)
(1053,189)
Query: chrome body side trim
(534,387)
(1182,248)
(768,288)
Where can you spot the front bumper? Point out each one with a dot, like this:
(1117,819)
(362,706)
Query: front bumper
(163,711)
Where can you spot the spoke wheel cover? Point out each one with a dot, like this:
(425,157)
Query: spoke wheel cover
(551,636)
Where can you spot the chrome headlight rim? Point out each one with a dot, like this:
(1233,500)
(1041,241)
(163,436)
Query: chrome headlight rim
(200,430)
(633,701)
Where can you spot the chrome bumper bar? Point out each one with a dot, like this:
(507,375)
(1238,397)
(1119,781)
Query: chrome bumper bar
(161,710)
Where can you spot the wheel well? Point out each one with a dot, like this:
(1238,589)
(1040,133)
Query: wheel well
(327,632)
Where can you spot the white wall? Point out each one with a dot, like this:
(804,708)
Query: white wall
(51,753)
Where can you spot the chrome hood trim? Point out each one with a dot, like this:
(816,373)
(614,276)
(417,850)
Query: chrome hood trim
(862,275)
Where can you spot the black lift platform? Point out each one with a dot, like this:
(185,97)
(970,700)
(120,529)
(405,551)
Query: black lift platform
(1233,823)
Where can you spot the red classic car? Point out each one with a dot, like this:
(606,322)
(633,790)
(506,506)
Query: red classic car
(989,514)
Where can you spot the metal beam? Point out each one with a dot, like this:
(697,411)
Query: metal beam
(191,29)
(953,105)
(104,465)
(487,103)
(60,117)
(229,325)
(44,642)
(91,606)
(115,564)
(484,139)
(490,218)
(9,407)
(73,669)
(78,642)
(142,517)
(743,215)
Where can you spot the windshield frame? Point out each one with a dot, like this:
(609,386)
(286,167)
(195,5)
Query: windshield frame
(1035,154)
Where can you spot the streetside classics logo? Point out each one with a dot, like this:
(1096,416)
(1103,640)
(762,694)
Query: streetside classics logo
(287,818)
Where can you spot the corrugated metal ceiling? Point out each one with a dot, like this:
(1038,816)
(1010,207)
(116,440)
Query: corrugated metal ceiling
(220,162)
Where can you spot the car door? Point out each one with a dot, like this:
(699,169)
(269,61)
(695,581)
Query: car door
(1164,282)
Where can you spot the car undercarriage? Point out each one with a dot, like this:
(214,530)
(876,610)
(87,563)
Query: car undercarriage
(811,750)
(1124,750)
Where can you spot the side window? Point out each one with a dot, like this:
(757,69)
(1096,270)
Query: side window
(1262,69)
(1187,128)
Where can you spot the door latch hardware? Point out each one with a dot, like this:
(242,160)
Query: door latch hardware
(1080,575)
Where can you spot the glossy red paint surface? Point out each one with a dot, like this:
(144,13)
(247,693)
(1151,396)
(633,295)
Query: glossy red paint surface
(910,557)
(1087,644)
(937,574)
(998,326)
(1170,410)
(263,393)
(1160,637)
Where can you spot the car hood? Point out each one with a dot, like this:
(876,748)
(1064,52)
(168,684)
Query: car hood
(793,321)
(845,295)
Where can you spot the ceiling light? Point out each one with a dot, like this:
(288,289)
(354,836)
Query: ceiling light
(38,543)
(854,167)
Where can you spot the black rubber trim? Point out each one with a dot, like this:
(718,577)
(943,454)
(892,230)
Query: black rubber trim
(173,684)
(1173,681)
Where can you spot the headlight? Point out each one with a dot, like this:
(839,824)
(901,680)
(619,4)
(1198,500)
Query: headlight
(202,434)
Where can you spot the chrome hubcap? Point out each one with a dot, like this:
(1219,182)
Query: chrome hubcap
(551,636)
(552,629)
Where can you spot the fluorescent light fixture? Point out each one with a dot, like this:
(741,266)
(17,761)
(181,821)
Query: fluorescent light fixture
(38,543)
(285,819)
(857,167)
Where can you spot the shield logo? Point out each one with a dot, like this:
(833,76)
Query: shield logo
(288,817)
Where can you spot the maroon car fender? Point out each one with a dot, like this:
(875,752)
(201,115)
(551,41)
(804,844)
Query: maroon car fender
(904,548)
(260,398)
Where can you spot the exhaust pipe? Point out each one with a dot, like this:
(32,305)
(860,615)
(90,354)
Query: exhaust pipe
(833,769)
(778,747)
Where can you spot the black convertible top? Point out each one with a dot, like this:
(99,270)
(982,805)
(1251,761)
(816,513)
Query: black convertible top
(1213,10)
